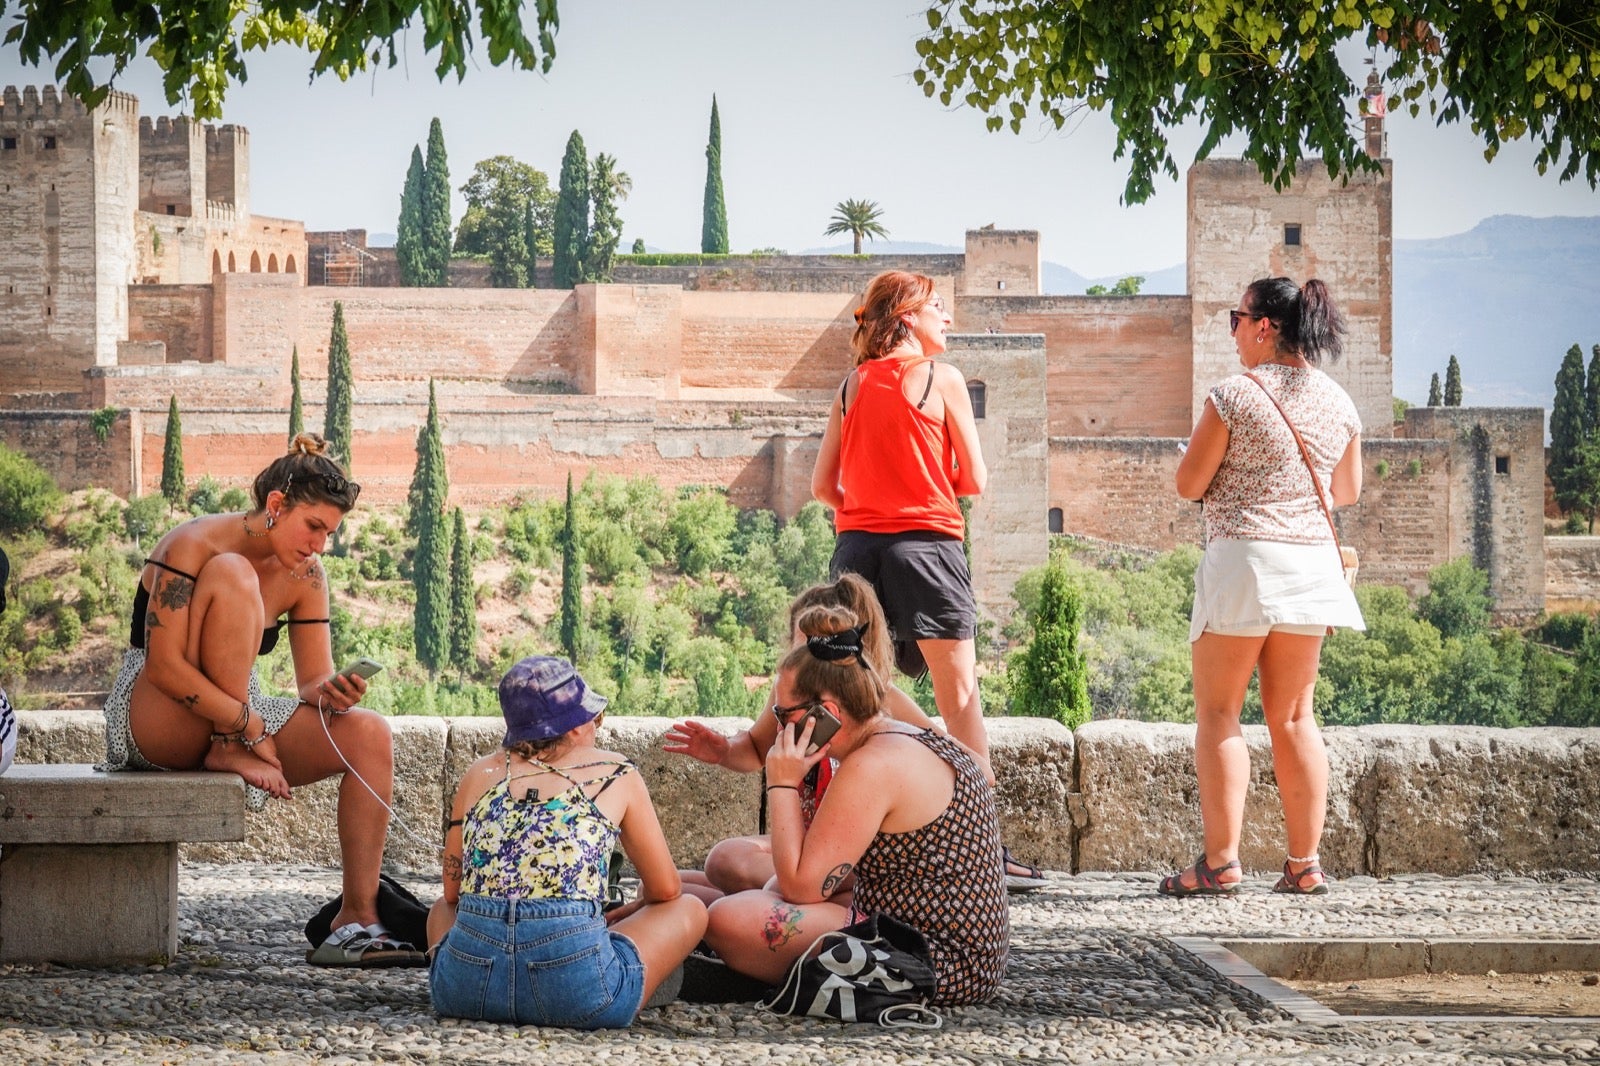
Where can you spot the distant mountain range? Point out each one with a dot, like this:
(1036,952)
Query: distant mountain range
(1507,299)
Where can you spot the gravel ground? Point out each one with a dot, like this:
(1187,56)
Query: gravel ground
(1092,979)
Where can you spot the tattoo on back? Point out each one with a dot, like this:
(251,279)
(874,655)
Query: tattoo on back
(176,593)
(835,878)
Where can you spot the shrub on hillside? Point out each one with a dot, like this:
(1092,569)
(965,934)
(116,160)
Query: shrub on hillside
(27,493)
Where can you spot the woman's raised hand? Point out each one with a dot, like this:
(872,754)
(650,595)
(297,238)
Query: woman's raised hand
(787,761)
(696,741)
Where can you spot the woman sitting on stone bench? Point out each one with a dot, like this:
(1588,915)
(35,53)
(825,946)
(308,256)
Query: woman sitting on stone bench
(216,593)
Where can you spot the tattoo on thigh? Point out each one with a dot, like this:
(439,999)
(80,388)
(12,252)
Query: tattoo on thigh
(176,593)
(782,924)
(835,878)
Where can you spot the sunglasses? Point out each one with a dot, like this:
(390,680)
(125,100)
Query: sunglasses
(782,713)
(335,486)
(1235,316)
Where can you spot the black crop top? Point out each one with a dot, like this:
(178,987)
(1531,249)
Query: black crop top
(141,606)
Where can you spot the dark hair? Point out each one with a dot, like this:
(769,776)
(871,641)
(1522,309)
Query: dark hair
(880,327)
(1309,325)
(851,682)
(308,474)
(854,594)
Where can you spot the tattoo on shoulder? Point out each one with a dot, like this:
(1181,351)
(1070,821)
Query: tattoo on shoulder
(836,877)
(176,593)
(781,926)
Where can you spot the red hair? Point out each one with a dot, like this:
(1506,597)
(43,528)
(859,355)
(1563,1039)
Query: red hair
(880,322)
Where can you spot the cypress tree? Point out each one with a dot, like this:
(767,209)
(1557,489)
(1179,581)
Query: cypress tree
(572,214)
(408,248)
(714,213)
(435,215)
(297,411)
(430,479)
(530,237)
(1452,384)
(1050,678)
(606,185)
(430,573)
(1435,397)
(172,457)
(571,581)
(463,606)
(638,246)
(1567,429)
(1591,407)
(336,416)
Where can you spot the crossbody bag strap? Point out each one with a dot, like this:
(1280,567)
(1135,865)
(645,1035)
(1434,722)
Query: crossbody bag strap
(1305,453)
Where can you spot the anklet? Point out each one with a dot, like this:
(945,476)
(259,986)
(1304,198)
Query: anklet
(1309,858)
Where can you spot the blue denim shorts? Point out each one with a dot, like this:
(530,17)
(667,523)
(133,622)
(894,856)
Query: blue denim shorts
(536,962)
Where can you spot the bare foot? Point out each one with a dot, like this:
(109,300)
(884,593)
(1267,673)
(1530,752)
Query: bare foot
(236,759)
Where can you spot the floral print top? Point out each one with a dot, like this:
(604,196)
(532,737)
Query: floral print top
(1262,490)
(540,848)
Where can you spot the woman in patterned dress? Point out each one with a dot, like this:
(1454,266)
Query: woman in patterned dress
(1271,582)
(908,817)
(520,934)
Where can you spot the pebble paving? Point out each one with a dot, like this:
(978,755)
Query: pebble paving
(1092,979)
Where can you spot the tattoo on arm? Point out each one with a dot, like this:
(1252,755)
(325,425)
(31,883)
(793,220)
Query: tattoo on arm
(781,926)
(176,593)
(452,867)
(835,878)
(190,702)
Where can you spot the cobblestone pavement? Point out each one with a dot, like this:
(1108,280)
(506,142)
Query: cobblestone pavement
(1092,979)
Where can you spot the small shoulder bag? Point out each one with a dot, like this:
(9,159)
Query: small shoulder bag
(1347,555)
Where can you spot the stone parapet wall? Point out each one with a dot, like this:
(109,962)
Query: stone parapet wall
(1115,795)
(65,444)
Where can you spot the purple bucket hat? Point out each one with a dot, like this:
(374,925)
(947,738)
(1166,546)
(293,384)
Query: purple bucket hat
(543,697)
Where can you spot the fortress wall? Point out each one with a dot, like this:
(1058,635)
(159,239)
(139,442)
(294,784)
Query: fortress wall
(793,273)
(198,386)
(1119,366)
(177,315)
(65,444)
(638,339)
(1121,489)
(172,166)
(1001,261)
(171,250)
(1398,525)
(1572,573)
(766,341)
(1237,234)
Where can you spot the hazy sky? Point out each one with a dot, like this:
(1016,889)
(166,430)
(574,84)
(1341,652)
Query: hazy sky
(817,105)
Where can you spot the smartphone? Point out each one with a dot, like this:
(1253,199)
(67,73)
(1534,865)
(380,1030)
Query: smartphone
(362,668)
(827,725)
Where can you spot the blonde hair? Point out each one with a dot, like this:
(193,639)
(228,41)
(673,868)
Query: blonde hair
(851,682)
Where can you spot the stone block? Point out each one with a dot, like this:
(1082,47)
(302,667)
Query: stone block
(1453,800)
(61,736)
(1033,768)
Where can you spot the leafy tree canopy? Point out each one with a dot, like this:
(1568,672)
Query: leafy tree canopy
(200,45)
(1508,68)
(507,183)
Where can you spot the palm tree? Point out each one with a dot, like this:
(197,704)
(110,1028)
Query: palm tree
(859,218)
(603,171)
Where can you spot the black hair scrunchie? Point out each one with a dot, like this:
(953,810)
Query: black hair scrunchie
(831,647)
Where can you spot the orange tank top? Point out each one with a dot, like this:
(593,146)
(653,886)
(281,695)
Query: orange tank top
(895,460)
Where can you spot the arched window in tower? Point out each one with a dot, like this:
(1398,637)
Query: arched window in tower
(289,267)
(255,262)
(272,263)
(1054,521)
(232,266)
(216,262)
(979,392)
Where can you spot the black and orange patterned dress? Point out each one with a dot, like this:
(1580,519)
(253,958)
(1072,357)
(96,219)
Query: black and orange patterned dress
(947,880)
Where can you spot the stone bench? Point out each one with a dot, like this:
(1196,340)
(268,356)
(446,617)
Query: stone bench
(89,861)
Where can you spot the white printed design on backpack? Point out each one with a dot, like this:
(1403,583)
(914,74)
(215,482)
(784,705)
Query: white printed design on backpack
(862,965)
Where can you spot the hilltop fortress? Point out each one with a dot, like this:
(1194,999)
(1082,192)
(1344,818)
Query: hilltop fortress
(132,270)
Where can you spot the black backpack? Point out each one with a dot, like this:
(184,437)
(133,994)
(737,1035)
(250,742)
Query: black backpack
(878,970)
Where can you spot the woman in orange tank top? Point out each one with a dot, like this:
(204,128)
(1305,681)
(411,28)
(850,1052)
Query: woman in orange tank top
(901,447)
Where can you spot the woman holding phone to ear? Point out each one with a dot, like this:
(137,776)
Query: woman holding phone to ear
(908,814)
(217,592)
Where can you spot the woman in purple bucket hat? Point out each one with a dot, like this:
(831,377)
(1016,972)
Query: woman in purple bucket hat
(520,934)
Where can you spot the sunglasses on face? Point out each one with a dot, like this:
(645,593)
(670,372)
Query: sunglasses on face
(782,713)
(1235,316)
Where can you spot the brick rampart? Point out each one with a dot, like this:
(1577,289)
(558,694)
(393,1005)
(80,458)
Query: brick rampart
(1572,574)
(177,315)
(65,443)
(745,343)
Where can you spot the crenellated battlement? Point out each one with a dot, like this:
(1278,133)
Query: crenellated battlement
(32,103)
(167,130)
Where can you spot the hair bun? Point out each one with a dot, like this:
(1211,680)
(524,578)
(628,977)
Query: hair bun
(832,647)
(308,444)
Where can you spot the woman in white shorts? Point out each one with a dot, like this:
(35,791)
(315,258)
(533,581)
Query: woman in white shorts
(1271,582)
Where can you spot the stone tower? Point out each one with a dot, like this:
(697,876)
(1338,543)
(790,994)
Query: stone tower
(69,185)
(228,168)
(1241,229)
